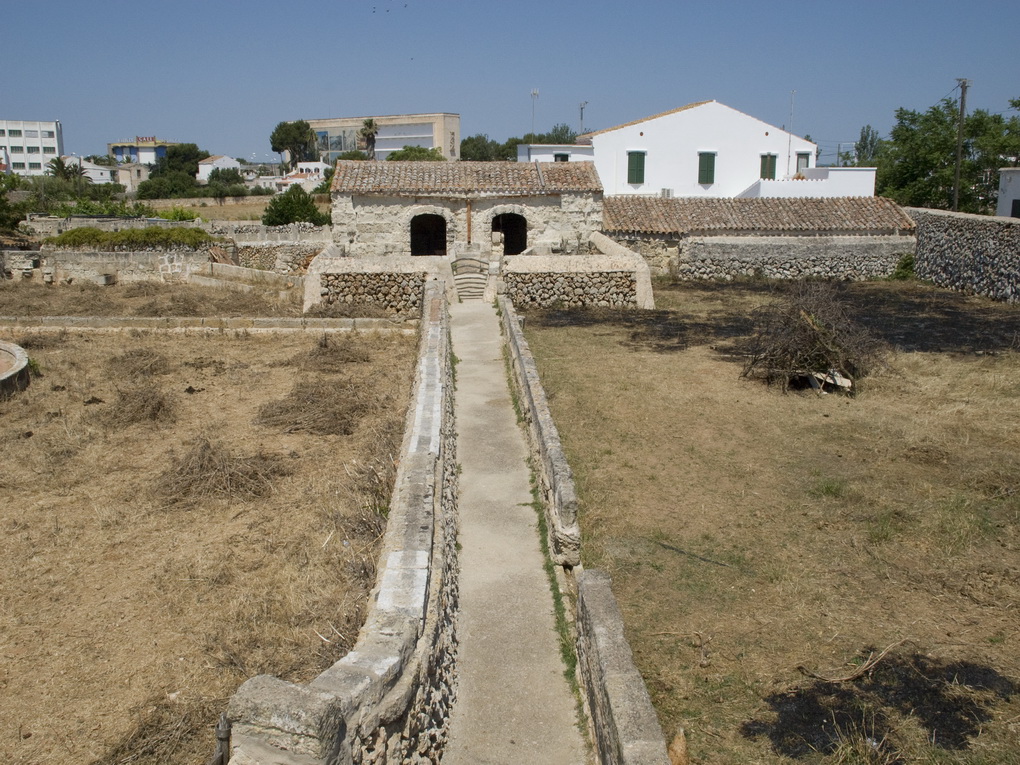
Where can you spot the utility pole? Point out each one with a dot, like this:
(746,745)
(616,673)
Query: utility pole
(534,98)
(789,137)
(964,84)
(583,104)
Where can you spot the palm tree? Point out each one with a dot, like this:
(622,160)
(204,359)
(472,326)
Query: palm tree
(58,168)
(369,128)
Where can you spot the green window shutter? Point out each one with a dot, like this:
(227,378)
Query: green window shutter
(635,167)
(768,167)
(706,167)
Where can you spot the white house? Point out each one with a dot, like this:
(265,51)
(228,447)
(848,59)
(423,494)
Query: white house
(95,173)
(708,149)
(217,162)
(555,152)
(1009,193)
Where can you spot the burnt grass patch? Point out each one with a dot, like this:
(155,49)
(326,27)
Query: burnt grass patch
(948,700)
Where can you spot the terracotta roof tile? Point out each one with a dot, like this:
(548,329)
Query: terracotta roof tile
(702,215)
(464,178)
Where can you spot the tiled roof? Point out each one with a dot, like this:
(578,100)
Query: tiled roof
(588,136)
(697,215)
(464,178)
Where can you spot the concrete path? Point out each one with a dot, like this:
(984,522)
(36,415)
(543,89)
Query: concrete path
(513,703)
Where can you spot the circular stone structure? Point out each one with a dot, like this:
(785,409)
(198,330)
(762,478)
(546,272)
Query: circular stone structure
(14,375)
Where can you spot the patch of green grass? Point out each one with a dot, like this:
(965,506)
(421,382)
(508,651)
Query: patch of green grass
(831,488)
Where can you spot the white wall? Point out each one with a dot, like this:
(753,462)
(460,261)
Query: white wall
(1009,189)
(36,142)
(546,152)
(205,168)
(672,143)
(819,182)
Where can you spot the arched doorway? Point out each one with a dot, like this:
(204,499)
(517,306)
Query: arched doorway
(514,229)
(428,234)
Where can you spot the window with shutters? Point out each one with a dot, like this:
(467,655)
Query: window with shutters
(635,167)
(803,160)
(706,167)
(768,167)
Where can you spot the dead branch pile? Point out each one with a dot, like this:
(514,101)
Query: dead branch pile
(324,407)
(809,330)
(208,469)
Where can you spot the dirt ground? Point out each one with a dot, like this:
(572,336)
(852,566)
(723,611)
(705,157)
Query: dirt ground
(181,512)
(805,578)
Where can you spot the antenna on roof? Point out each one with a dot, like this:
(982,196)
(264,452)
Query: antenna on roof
(789,135)
(583,104)
(534,98)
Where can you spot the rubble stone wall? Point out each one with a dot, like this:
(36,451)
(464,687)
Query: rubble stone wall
(167,265)
(978,254)
(388,701)
(774,257)
(282,258)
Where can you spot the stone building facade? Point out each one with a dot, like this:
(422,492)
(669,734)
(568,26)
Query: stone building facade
(454,209)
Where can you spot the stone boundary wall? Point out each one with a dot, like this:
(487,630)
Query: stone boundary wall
(51,225)
(281,258)
(394,283)
(207,324)
(619,279)
(167,265)
(969,253)
(774,257)
(624,725)
(239,231)
(388,700)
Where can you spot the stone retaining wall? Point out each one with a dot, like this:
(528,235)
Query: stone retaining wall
(614,279)
(389,699)
(125,266)
(239,231)
(283,258)
(970,253)
(775,257)
(394,283)
(624,725)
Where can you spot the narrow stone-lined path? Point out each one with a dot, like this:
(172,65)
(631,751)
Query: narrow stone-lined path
(513,702)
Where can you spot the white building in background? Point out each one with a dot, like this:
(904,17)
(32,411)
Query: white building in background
(555,152)
(339,135)
(708,149)
(95,173)
(29,145)
(217,162)
(144,149)
(1009,193)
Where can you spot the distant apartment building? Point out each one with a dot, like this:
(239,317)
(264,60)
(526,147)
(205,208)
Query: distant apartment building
(144,149)
(30,145)
(432,131)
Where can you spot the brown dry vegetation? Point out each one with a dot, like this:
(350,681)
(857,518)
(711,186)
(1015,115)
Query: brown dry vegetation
(27,298)
(159,545)
(751,532)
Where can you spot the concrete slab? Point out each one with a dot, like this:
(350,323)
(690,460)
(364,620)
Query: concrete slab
(513,702)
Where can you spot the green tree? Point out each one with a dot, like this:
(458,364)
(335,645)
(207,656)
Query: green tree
(368,132)
(227,176)
(176,184)
(479,148)
(183,157)
(866,147)
(58,168)
(353,154)
(296,138)
(101,159)
(917,165)
(416,154)
(11,214)
(293,206)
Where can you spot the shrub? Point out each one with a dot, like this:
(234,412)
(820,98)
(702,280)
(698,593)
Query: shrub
(178,213)
(809,330)
(293,206)
(152,238)
(905,268)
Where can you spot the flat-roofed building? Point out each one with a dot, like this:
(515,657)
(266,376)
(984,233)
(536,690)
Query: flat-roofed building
(30,145)
(144,149)
(339,135)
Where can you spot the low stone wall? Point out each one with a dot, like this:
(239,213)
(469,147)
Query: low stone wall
(389,699)
(246,231)
(555,477)
(619,279)
(624,725)
(50,225)
(970,253)
(124,266)
(283,258)
(394,283)
(774,257)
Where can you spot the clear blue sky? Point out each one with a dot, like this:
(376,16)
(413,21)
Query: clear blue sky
(223,74)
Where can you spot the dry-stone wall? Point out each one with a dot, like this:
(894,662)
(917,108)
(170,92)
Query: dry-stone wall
(279,258)
(124,266)
(613,278)
(241,231)
(388,701)
(395,292)
(971,253)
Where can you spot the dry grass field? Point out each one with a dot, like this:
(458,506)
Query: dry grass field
(805,578)
(251,209)
(181,512)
